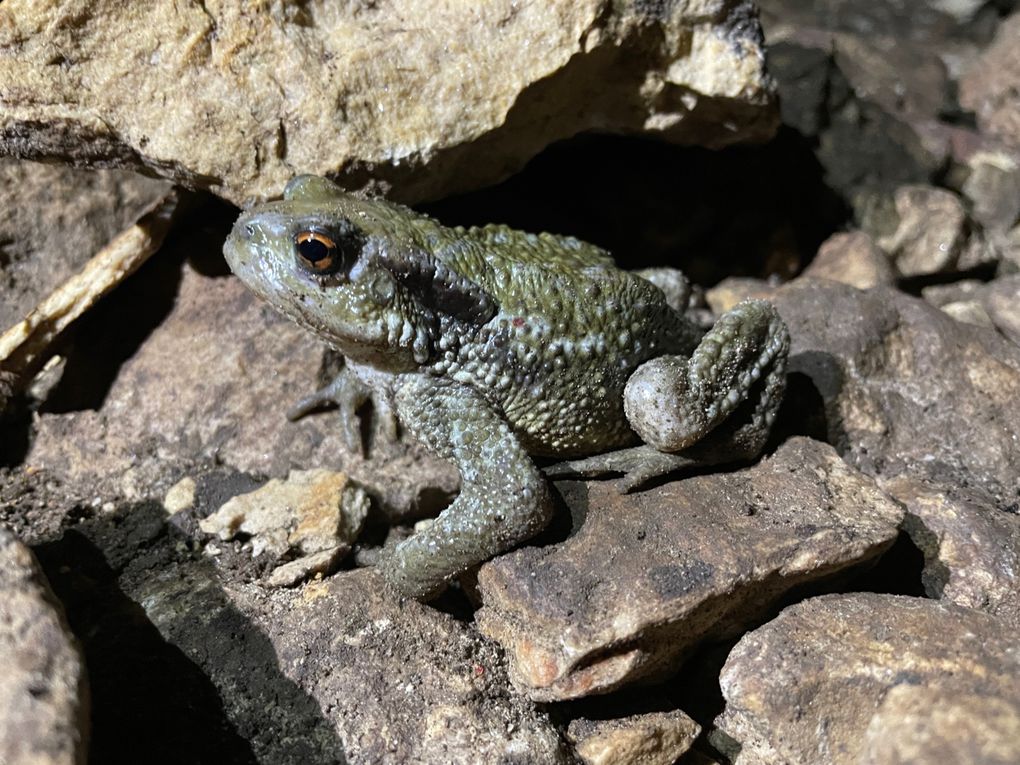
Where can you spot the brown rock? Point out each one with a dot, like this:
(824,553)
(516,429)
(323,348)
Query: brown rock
(730,291)
(396,681)
(852,258)
(906,389)
(430,97)
(653,738)
(43,688)
(971,546)
(53,219)
(876,679)
(988,87)
(650,575)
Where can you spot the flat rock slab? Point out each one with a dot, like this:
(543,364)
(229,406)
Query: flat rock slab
(427,96)
(971,547)
(359,676)
(906,389)
(43,692)
(876,679)
(651,738)
(650,575)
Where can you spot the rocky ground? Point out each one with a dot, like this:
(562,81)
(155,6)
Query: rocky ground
(186,576)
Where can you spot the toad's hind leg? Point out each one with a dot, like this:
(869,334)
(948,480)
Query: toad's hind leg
(713,408)
(673,402)
(503,499)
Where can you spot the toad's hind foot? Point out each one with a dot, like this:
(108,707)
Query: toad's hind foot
(639,465)
(673,402)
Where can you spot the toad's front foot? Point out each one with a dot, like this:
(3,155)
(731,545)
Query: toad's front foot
(348,394)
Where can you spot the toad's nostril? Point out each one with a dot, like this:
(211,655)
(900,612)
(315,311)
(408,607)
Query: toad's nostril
(249,231)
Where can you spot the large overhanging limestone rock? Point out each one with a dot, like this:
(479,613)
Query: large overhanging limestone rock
(425,96)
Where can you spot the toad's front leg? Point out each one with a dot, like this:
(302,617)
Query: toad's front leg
(503,500)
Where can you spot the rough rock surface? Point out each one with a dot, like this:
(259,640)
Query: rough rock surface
(971,547)
(650,575)
(652,738)
(43,691)
(877,679)
(65,215)
(989,86)
(852,258)
(430,97)
(906,389)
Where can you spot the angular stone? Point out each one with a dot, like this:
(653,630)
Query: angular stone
(852,258)
(422,96)
(652,738)
(932,234)
(969,312)
(988,87)
(43,686)
(309,512)
(906,389)
(971,547)
(877,679)
(731,290)
(650,575)
(993,187)
(1001,300)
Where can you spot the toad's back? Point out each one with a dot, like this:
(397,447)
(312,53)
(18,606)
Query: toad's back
(570,330)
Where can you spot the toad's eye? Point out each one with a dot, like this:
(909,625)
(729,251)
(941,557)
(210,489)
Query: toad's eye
(317,252)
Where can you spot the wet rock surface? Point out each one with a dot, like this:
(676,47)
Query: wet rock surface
(695,559)
(365,92)
(43,689)
(876,679)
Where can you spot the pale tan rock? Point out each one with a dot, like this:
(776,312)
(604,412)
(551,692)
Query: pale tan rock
(653,738)
(969,312)
(43,685)
(1001,300)
(651,575)
(423,96)
(932,234)
(877,679)
(181,496)
(316,514)
(852,258)
(730,291)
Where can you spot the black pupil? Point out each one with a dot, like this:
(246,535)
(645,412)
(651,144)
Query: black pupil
(314,250)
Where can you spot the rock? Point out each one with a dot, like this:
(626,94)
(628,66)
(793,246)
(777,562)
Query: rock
(906,389)
(43,687)
(877,679)
(53,219)
(852,258)
(993,188)
(969,312)
(650,575)
(971,546)
(315,514)
(180,497)
(1002,302)
(223,99)
(933,235)
(653,738)
(988,87)
(396,681)
(730,291)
